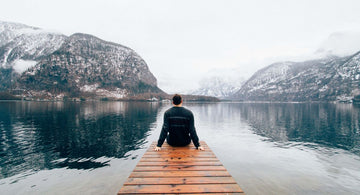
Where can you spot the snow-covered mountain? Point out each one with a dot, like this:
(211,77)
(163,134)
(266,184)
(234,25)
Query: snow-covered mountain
(21,46)
(10,30)
(217,86)
(329,79)
(20,43)
(86,64)
(54,65)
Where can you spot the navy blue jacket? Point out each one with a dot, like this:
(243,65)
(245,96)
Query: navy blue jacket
(178,128)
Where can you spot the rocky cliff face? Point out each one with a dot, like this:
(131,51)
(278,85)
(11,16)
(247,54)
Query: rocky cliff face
(330,79)
(54,65)
(86,64)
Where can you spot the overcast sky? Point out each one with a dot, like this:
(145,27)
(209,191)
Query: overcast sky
(185,41)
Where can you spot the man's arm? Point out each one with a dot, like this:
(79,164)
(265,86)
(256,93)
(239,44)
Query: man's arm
(164,132)
(193,135)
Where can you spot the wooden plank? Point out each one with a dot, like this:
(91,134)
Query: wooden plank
(179,156)
(176,163)
(183,180)
(175,152)
(180,168)
(197,188)
(190,146)
(202,143)
(228,193)
(177,159)
(187,151)
(176,149)
(180,174)
(166,146)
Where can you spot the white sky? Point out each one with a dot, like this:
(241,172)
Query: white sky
(184,41)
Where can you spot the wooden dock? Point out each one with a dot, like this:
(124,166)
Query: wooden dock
(180,170)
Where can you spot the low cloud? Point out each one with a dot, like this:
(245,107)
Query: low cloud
(22,65)
(341,44)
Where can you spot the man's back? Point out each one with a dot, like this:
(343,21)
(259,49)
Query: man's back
(179,123)
(179,126)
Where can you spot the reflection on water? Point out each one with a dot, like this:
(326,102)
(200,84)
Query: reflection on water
(284,148)
(269,148)
(47,135)
(330,125)
(334,125)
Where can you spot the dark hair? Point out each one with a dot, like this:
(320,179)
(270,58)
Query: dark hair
(176,99)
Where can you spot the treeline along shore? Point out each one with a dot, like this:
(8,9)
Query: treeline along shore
(150,97)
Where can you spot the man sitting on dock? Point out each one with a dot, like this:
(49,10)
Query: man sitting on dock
(178,127)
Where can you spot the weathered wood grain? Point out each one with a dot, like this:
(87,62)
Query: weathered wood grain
(196,188)
(182,180)
(180,170)
(176,163)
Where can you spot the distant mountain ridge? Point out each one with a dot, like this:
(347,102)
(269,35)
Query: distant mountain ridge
(328,79)
(54,65)
(219,87)
(36,63)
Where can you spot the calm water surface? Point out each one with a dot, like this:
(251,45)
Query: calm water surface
(92,147)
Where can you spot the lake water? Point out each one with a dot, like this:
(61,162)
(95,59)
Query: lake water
(92,147)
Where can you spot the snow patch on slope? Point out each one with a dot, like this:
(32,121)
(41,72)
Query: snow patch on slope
(89,88)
